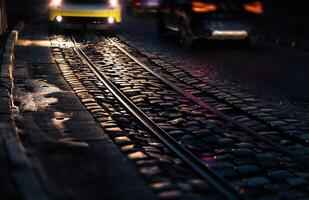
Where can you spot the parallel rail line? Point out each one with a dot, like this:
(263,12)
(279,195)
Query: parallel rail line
(279,148)
(238,109)
(191,160)
(207,173)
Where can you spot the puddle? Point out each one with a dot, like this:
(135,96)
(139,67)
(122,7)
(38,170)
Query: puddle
(32,96)
(59,120)
(41,43)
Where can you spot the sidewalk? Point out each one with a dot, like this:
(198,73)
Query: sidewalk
(70,156)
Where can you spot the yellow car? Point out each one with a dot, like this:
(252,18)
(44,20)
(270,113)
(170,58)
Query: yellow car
(92,13)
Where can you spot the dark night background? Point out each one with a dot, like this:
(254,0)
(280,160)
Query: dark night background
(280,10)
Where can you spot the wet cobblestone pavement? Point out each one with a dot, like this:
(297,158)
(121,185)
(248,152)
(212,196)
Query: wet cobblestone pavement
(263,72)
(234,114)
(253,167)
(164,171)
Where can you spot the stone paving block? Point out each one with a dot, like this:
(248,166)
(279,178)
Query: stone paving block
(6,71)
(7,128)
(6,82)
(6,118)
(7,58)
(4,92)
(5,105)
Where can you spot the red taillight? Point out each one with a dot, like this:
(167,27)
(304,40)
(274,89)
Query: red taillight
(138,3)
(198,6)
(254,7)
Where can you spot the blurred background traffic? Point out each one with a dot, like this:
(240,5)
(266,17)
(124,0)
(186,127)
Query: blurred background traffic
(199,18)
(282,10)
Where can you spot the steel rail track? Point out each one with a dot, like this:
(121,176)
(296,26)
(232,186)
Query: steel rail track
(191,160)
(277,147)
(241,111)
(251,116)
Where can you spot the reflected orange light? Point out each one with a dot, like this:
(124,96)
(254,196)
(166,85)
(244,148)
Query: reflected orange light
(255,7)
(59,119)
(41,43)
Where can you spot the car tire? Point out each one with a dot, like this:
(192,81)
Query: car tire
(161,29)
(185,39)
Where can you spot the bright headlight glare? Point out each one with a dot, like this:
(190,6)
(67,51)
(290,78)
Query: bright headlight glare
(110,20)
(55,3)
(113,3)
(59,18)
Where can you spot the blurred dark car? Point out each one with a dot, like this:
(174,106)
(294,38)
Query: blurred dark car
(210,19)
(137,6)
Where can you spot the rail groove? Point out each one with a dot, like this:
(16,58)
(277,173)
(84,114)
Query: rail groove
(279,148)
(191,160)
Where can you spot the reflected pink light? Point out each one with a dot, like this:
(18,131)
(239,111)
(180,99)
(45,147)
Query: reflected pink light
(208,159)
(184,100)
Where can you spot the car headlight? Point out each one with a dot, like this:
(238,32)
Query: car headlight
(55,3)
(114,3)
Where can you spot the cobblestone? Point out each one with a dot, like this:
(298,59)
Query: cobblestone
(257,182)
(280,175)
(255,109)
(198,130)
(149,155)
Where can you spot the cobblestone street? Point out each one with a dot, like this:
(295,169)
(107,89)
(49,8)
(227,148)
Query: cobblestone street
(124,114)
(264,72)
